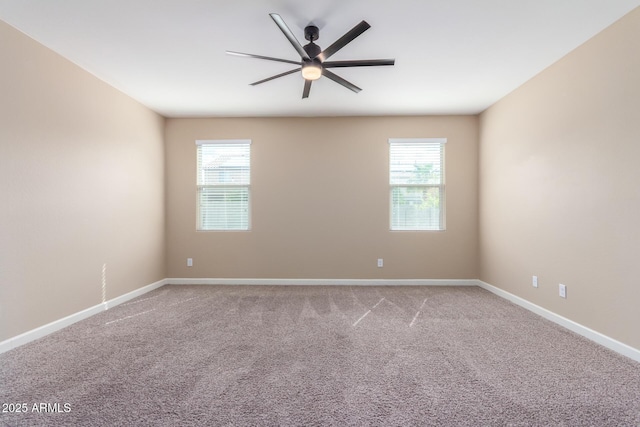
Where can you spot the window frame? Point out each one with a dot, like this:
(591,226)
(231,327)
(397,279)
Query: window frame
(229,185)
(440,186)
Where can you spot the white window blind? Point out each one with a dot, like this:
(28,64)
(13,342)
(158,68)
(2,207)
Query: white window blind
(223,182)
(416,179)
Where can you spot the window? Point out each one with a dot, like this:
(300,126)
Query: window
(224,173)
(416,179)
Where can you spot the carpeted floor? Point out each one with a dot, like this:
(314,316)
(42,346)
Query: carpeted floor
(317,355)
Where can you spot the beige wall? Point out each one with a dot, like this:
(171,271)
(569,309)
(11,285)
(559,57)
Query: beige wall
(320,201)
(81,185)
(560,185)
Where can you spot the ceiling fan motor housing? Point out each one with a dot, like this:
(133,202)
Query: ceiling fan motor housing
(312,49)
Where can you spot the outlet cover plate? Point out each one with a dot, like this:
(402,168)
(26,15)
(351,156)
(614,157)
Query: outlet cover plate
(562,290)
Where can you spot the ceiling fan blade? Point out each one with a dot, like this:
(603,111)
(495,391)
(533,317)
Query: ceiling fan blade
(286,73)
(307,88)
(344,40)
(289,35)
(268,58)
(358,63)
(340,80)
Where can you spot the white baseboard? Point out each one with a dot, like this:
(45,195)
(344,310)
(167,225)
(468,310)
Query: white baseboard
(56,325)
(320,282)
(588,333)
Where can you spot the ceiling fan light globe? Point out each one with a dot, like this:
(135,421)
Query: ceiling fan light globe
(311,72)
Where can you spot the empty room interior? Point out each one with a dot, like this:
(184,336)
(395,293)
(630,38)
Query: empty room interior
(440,227)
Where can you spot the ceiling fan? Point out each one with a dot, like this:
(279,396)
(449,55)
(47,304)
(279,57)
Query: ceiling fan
(313,61)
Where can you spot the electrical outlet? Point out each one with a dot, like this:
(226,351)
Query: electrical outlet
(534,281)
(380,262)
(189,262)
(562,290)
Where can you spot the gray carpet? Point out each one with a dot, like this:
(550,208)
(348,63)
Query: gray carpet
(387,356)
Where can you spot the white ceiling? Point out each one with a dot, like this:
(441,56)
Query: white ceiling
(452,56)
